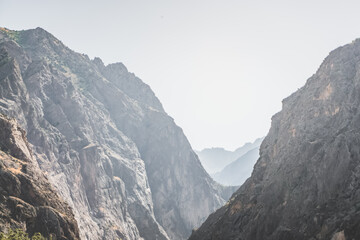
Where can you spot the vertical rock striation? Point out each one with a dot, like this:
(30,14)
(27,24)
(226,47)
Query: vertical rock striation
(103,137)
(306,183)
(27,200)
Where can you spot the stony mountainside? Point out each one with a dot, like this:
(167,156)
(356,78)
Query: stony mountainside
(239,170)
(27,199)
(215,159)
(306,183)
(105,141)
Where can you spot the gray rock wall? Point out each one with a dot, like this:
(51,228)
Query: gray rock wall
(27,199)
(105,141)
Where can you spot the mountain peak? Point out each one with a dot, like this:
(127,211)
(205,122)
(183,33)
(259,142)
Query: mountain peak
(118,67)
(106,142)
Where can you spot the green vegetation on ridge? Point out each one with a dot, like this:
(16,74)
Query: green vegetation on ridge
(19,234)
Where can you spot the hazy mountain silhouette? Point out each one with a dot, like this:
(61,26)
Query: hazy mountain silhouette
(239,170)
(215,159)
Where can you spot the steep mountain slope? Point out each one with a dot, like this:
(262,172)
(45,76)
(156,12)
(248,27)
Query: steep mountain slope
(238,171)
(110,149)
(215,159)
(306,183)
(27,199)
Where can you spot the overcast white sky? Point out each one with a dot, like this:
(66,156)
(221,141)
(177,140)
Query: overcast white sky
(220,68)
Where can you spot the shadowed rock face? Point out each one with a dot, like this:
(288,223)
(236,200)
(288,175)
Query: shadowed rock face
(306,183)
(103,137)
(27,199)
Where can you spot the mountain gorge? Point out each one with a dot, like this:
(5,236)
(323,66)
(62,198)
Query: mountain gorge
(306,183)
(104,141)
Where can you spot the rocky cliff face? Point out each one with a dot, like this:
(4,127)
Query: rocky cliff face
(306,183)
(27,199)
(105,141)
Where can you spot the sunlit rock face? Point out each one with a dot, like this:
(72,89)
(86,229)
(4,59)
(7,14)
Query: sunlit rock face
(104,140)
(27,199)
(306,183)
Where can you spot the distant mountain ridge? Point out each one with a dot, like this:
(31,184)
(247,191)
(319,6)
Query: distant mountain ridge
(215,159)
(235,173)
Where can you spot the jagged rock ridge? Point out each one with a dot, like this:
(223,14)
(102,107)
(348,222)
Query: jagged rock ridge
(27,200)
(306,183)
(105,141)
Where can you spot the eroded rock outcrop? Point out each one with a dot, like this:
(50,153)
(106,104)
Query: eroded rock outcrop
(103,137)
(306,183)
(27,199)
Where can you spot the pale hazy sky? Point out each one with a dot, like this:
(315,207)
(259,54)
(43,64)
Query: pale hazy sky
(220,68)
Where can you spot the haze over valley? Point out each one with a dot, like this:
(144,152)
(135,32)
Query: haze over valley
(103,103)
(230,168)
